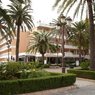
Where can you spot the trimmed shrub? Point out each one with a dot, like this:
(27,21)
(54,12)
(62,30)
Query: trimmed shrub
(36,84)
(85,65)
(83,73)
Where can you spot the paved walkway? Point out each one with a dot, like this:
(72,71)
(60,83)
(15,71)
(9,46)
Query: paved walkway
(81,87)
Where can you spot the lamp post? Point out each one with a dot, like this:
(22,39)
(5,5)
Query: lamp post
(8,46)
(62,21)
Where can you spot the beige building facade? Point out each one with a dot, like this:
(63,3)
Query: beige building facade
(7,52)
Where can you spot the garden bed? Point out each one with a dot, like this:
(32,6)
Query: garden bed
(11,87)
(83,73)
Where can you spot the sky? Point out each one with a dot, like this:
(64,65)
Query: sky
(43,11)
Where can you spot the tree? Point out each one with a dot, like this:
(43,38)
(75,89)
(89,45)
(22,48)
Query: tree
(79,37)
(6,27)
(21,18)
(41,42)
(57,36)
(67,5)
(5,30)
(22,1)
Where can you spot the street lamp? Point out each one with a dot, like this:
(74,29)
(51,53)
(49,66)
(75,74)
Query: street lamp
(8,46)
(62,21)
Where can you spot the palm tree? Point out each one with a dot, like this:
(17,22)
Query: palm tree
(22,1)
(41,42)
(5,30)
(21,18)
(6,27)
(67,5)
(79,37)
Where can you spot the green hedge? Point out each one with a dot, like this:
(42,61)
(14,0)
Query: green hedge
(11,87)
(83,73)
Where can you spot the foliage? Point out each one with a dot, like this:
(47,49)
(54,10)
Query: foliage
(2,71)
(46,65)
(41,42)
(39,65)
(79,36)
(21,19)
(36,84)
(68,5)
(39,73)
(11,70)
(6,31)
(83,73)
(34,71)
(85,65)
(35,64)
(15,70)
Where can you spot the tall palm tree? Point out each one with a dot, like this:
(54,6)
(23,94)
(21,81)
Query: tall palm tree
(21,18)
(79,37)
(41,42)
(67,5)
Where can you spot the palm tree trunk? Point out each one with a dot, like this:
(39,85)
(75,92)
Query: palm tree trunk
(56,40)
(92,36)
(42,58)
(17,43)
(80,51)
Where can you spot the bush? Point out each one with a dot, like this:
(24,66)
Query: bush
(36,64)
(83,73)
(39,73)
(11,70)
(85,65)
(16,70)
(36,84)
(2,71)
(46,65)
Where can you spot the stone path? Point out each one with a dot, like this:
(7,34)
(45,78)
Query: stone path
(81,87)
(84,87)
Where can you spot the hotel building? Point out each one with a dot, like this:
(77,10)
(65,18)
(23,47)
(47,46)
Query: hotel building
(7,51)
